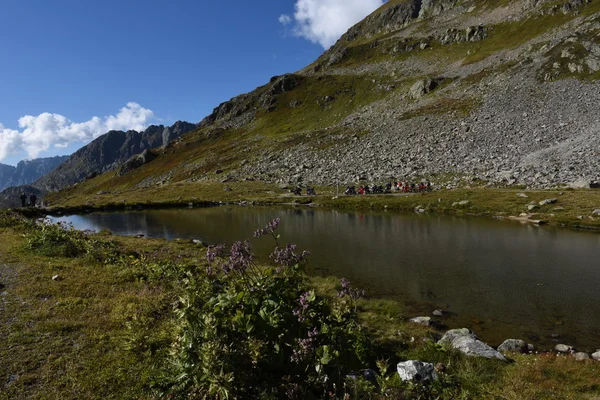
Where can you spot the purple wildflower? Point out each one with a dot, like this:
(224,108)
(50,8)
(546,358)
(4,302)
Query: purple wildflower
(287,256)
(269,229)
(303,301)
(240,257)
(350,291)
(306,347)
(214,252)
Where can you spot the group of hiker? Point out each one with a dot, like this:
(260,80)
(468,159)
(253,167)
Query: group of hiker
(406,187)
(32,200)
(390,187)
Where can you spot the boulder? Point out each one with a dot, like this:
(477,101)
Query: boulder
(467,342)
(596,212)
(462,203)
(532,207)
(513,346)
(596,355)
(416,371)
(425,321)
(563,348)
(548,201)
(438,313)
(581,356)
(522,195)
(421,88)
(370,376)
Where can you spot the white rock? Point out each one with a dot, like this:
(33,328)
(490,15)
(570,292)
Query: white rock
(581,356)
(466,342)
(425,321)
(416,371)
(563,348)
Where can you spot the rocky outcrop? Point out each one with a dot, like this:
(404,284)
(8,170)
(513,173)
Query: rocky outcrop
(471,34)
(242,109)
(137,161)
(28,171)
(173,132)
(466,342)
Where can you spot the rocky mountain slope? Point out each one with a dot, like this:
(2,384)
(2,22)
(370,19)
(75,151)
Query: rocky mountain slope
(27,172)
(108,152)
(498,92)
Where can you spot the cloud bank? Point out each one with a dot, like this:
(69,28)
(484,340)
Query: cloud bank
(40,133)
(324,21)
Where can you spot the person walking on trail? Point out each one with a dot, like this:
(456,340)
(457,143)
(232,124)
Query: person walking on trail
(23,198)
(32,200)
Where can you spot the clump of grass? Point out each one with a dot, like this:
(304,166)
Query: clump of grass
(62,240)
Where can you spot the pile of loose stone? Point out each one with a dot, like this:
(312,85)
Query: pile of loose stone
(469,344)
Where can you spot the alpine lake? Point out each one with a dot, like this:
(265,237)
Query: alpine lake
(500,279)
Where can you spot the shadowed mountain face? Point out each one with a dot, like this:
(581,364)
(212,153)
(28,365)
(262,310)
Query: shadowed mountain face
(107,152)
(27,172)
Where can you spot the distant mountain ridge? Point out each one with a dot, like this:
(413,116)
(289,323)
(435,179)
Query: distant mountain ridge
(27,172)
(108,151)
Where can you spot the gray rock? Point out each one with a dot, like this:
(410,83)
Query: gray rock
(596,355)
(563,348)
(467,342)
(596,212)
(523,195)
(421,88)
(438,313)
(425,321)
(532,207)
(513,346)
(581,356)
(416,371)
(370,375)
(57,278)
(548,201)
(461,203)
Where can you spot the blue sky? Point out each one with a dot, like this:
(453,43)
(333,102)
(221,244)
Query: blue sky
(142,62)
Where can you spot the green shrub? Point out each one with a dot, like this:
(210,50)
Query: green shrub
(249,332)
(62,240)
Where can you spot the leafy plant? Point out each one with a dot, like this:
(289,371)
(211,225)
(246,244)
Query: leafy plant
(251,332)
(62,240)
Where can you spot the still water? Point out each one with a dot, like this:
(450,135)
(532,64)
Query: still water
(501,279)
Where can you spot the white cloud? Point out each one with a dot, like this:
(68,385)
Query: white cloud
(324,21)
(39,133)
(285,19)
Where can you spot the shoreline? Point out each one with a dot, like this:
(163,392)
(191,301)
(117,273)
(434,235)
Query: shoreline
(426,203)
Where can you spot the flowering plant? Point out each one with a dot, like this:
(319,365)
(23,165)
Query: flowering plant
(247,331)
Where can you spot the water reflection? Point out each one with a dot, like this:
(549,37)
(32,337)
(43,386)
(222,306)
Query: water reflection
(501,279)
